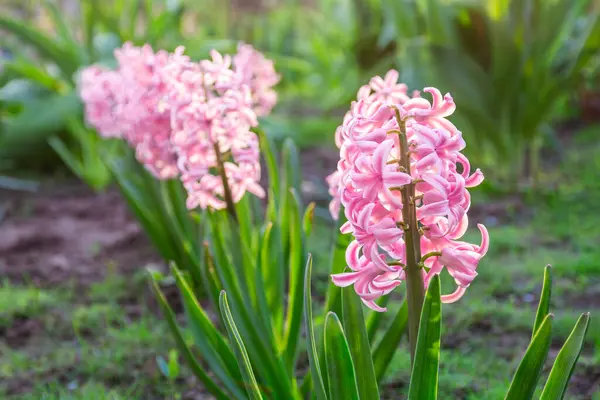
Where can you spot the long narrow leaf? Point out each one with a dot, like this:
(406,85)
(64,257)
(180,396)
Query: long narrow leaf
(565,362)
(313,356)
(308,219)
(267,150)
(209,340)
(293,319)
(66,61)
(375,319)
(544,304)
(424,377)
(528,373)
(197,369)
(333,300)
(340,367)
(356,333)
(272,269)
(240,350)
(388,345)
(265,356)
(66,35)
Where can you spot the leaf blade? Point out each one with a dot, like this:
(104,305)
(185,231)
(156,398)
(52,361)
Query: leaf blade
(313,356)
(527,375)
(558,380)
(384,352)
(544,304)
(358,340)
(340,366)
(239,349)
(196,368)
(424,376)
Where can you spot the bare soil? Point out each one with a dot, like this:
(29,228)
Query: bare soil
(66,233)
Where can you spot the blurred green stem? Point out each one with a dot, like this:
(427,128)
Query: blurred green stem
(415,288)
(226,189)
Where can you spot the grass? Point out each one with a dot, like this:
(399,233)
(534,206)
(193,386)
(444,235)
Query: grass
(104,344)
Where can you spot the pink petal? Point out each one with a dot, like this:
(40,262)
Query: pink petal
(455,296)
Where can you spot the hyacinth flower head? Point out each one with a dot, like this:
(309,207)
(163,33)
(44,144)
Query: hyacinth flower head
(211,121)
(186,119)
(403,183)
(128,103)
(258,73)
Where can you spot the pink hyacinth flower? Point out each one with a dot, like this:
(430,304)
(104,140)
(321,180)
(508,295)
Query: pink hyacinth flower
(372,181)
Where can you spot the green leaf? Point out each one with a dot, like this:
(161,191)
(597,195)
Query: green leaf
(272,268)
(88,22)
(265,355)
(63,58)
(177,223)
(293,320)
(565,362)
(32,71)
(39,120)
(424,377)
(291,165)
(544,304)
(340,367)
(240,350)
(266,147)
(356,333)
(528,373)
(69,41)
(337,264)
(213,347)
(210,280)
(67,156)
(139,201)
(313,356)
(289,177)
(307,221)
(384,351)
(375,319)
(196,368)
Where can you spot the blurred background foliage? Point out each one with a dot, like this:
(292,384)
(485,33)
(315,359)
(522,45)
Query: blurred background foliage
(514,67)
(524,74)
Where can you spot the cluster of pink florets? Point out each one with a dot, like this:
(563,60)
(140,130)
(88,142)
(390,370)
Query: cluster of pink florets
(369,180)
(186,118)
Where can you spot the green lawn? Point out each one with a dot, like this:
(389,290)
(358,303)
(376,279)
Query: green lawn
(103,344)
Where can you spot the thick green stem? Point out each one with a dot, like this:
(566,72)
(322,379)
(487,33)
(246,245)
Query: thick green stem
(415,288)
(226,189)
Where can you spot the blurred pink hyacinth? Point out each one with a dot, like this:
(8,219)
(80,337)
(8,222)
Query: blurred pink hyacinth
(259,74)
(370,180)
(186,119)
(211,119)
(128,103)
(99,91)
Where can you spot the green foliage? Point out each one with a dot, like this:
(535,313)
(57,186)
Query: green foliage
(54,114)
(265,339)
(354,326)
(424,376)
(340,366)
(566,359)
(525,380)
(508,65)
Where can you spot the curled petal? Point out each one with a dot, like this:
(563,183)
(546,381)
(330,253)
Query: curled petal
(455,296)
(475,179)
(485,240)
(373,306)
(345,279)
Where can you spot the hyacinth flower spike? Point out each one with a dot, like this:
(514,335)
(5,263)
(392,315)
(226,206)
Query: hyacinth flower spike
(404,198)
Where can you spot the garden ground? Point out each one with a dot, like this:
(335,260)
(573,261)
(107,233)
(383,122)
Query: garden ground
(77,320)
